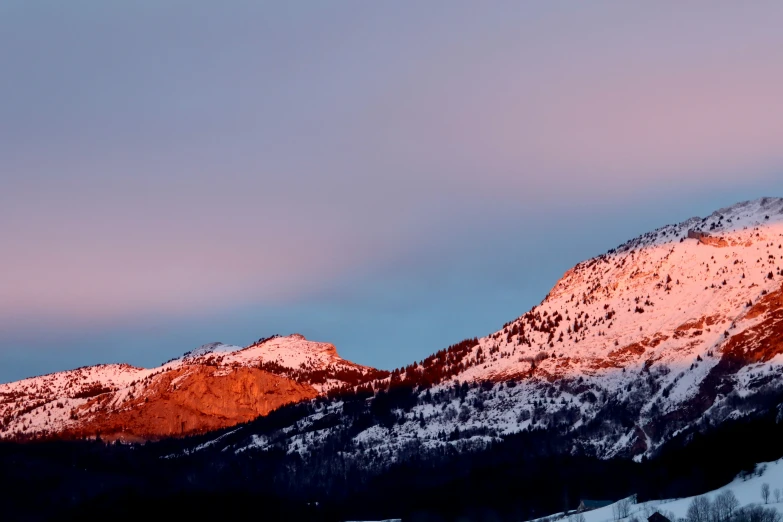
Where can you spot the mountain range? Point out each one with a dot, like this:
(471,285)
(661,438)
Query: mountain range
(694,309)
(632,354)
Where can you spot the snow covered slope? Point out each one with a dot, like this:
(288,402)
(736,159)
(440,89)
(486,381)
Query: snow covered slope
(662,298)
(675,324)
(746,489)
(213,386)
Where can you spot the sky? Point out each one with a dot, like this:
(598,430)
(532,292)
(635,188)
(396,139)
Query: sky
(390,177)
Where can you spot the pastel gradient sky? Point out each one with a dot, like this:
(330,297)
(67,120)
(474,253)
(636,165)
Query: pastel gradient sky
(390,177)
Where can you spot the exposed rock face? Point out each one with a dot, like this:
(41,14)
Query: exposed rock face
(183,402)
(763,341)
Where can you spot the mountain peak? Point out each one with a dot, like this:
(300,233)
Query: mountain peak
(212,386)
(688,309)
(293,351)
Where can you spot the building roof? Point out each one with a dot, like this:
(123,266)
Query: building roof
(657,517)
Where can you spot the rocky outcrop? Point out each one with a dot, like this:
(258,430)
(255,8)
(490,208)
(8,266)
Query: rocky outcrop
(188,401)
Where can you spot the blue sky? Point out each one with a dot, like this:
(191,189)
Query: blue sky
(388,177)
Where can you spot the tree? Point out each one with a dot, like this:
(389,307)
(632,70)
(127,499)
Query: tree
(757,514)
(777,494)
(765,492)
(464,414)
(699,510)
(724,506)
(621,508)
(616,512)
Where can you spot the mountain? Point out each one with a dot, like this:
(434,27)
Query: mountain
(674,329)
(654,369)
(211,387)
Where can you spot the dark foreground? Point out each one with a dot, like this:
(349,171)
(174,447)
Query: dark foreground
(527,475)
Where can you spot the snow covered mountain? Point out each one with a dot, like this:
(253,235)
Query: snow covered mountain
(675,328)
(213,386)
(667,350)
(678,327)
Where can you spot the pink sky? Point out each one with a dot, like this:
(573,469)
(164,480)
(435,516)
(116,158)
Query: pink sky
(156,162)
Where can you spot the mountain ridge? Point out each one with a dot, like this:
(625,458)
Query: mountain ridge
(673,328)
(676,324)
(178,397)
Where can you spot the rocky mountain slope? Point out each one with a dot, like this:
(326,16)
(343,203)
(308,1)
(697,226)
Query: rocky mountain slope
(211,387)
(679,327)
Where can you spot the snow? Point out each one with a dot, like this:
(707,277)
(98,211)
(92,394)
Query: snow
(210,349)
(292,352)
(747,491)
